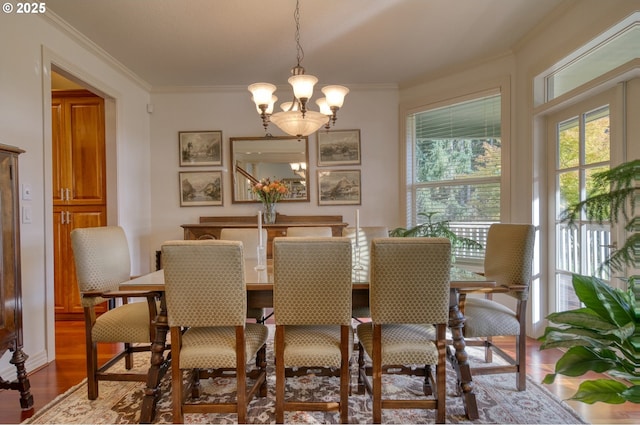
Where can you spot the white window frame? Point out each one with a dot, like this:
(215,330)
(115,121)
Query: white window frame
(407,155)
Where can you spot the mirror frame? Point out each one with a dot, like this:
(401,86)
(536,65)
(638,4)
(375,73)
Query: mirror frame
(236,175)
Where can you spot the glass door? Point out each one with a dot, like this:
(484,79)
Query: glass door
(582,146)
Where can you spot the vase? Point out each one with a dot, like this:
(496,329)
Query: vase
(269,213)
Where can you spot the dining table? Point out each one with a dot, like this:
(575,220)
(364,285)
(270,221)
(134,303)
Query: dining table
(259,285)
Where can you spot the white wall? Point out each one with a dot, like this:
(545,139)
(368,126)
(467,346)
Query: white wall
(29,44)
(373,110)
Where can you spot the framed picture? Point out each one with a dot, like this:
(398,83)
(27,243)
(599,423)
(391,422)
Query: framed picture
(200,188)
(338,147)
(200,148)
(283,158)
(339,187)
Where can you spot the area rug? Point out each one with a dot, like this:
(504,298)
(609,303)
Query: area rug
(498,401)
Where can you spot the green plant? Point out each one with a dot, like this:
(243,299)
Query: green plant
(612,198)
(604,335)
(430,228)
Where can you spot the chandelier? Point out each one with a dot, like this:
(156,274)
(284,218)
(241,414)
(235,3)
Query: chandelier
(295,119)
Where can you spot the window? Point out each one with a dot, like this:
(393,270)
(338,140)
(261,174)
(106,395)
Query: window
(613,48)
(454,165)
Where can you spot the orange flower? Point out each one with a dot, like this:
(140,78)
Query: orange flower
(269,191)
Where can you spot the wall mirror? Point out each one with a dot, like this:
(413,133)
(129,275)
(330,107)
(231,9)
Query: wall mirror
(277,158)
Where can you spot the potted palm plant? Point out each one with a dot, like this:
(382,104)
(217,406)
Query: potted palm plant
(604,335)
(432,228)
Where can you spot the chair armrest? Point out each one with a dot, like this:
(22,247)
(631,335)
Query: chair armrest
(494,290)
(517,288)
(128,294)
(121,294)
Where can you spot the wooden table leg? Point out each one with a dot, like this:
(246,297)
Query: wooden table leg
(459,358)
(159,366)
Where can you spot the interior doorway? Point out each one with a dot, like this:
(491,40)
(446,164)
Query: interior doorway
(79,178)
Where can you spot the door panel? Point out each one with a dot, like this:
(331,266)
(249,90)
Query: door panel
(87,152)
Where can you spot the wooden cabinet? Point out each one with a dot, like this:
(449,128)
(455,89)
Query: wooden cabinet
(78,148)
(10,277)
(65,219)
(210,227)
(79,185)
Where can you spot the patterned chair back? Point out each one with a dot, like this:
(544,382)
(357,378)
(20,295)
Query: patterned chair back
(205,283)
(315,232)
(312,281)
(509,255)
(102,260)
(250,239)
(410,280)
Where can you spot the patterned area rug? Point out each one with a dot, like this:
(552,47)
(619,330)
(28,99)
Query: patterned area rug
(498,401)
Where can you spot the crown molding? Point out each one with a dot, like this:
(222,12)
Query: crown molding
(86,43)
(243,88)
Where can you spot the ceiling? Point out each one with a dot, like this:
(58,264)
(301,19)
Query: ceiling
(171,43)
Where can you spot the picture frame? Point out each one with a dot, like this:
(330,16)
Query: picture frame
(200,148)
(200,188)
(338,147)
(339,187)
(274,157)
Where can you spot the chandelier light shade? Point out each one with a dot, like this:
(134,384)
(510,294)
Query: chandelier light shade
(298,124)
(295,119)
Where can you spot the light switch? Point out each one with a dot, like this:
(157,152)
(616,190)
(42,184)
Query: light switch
(26,214)
(26,192)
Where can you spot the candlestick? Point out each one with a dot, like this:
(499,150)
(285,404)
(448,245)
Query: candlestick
(357,227)
(260,242)
(356,265)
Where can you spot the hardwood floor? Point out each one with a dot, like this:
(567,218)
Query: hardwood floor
(69,369)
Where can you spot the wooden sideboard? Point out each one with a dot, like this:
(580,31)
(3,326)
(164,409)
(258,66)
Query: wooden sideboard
(210,227)
(10,275)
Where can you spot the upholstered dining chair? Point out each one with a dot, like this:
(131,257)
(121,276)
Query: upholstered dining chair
(102,262)
(409,298)
(316,232)
(206,310)
(312,306)
(250,239)
(361,257)
(508,261)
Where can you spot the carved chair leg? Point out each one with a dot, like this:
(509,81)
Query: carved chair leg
(488,353)
(195,383)
(361,370)
(261,364)
(428,379)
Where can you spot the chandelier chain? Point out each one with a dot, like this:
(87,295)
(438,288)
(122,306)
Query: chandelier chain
(296,17)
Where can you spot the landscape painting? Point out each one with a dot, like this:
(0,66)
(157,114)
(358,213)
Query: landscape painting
(200,148)
(339,187)
(338,147)
(200,188)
